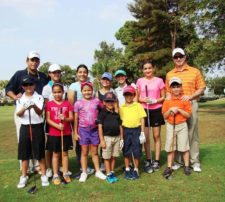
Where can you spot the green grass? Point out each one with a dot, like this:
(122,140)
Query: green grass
(215,104)
(206,186)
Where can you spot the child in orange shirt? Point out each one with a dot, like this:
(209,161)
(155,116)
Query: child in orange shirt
(176,112)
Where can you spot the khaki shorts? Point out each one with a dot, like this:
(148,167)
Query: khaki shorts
(181,141)
(112,147)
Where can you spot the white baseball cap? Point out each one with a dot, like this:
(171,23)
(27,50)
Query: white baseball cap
(175,80)
(33,54)
(178,50)
(54,67)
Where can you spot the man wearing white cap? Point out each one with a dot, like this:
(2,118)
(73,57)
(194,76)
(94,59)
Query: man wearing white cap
(14,88)
(193,86)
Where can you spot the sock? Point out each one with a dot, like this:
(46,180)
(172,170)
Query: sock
(136,169)
(127,169)
(55,175)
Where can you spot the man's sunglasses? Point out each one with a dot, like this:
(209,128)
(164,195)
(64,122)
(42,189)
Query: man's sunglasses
(178,56)
(35,59)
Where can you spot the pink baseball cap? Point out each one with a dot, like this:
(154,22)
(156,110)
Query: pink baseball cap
(129,89)
(86,84)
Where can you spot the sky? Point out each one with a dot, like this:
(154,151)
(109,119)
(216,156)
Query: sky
(64,32)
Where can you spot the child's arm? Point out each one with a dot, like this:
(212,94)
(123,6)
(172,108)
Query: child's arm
(76,136)
(36,109)
(171,110)
(121,132)
(184,113)
(52,123)
(101,137)
(67,119)
(142,124)
(20,113)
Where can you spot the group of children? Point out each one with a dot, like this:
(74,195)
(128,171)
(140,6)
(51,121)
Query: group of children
(111,119)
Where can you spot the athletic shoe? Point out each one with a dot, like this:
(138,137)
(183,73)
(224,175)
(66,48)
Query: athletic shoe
(135,175)
(176,166)
(68,172)
(22,182)
(109,178)
(187,170)
(90,170)
(102,167)
(44,181)
(115,179)
(167,172)
(100,175)
(148,167)
(56,180)
(83,177)
(155,165)
(49,172)
(128,175)
(196,167)
(77,175)
(67,178)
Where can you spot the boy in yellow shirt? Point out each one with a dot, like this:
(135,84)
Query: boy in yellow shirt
(132,115)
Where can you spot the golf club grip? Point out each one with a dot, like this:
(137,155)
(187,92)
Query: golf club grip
(146,90)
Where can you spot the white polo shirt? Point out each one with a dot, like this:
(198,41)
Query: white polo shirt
(35,118)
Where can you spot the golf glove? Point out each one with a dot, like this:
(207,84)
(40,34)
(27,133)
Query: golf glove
(142,138)
(31,103)
(152,101)
(121,144)
(26,105)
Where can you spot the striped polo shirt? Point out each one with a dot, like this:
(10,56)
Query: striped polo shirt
(191,78)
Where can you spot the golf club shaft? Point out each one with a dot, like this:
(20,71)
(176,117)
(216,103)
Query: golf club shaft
(31,139)
(174,136)
(62,146)
(148,117)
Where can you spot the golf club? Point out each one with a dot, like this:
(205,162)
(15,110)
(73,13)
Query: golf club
(169,177)
(33,189)
(62,149)
(149,127)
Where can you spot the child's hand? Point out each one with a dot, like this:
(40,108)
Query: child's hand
(76,137)
(61,126)
(174,110)
(103,144)
(121,144)
(62,117)
(142,138)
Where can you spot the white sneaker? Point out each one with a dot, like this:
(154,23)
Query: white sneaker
(100,175)
(68,172)
(90,171)
(22,182)
(102,167)
(49,172)
(83,177)
(44,181)
(196,168)
(176,166)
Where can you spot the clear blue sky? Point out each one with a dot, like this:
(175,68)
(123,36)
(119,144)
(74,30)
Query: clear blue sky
(63,32)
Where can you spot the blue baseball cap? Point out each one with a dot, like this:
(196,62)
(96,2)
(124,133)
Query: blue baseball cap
(120,72)
(107,75)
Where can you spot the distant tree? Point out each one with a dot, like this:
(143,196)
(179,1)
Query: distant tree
(153,35)
(3,84)
(217,85)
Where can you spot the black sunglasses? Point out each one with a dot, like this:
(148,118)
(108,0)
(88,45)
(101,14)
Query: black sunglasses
(178,56)
(28,84)
(35,59)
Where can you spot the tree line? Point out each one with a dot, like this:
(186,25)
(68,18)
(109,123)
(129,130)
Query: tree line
(196,25)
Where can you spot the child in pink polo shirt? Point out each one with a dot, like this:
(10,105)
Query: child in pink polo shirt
(151,94)
(86,130)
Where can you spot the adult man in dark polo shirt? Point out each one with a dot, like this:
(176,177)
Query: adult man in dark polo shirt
(14,88)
